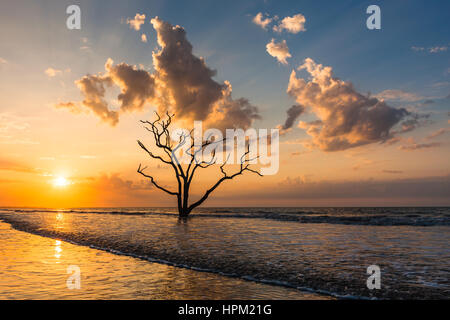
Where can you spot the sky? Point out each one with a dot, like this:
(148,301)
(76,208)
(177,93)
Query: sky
(364,115)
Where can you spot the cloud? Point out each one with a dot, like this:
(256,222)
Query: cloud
(347,118)
(3,61)
(435,49)
(144,38)
(181,83)
(292,114)
(10,122)
(137,85)
(399,95)
(392,171)
(294,24)
(437,133)
(412,146)
(12,128)
(279,50)
(115,182)
(261,21)
(414,121)
(392,141)
(186,81)
(186,85)
(93,89)
(71,106)
(51,72)
(137,22)
(12,165)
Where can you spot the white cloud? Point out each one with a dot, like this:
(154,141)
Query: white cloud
(51,72)
(137,22)
(10,122)
(279,50)
(261,21)
(437,49)
(294,24)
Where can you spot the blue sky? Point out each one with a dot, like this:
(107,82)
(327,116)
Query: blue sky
(222,32)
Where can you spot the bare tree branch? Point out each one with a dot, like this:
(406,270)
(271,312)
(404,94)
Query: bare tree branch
(161,134)
(141,171)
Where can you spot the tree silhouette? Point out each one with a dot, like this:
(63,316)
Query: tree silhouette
(184,174)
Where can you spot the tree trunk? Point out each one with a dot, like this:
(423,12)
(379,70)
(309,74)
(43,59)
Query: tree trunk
(183,212)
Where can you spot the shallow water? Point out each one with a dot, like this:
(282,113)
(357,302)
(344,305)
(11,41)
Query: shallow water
(34,267)
(328,256)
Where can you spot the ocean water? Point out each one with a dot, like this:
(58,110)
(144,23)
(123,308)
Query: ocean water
(35,267)
(322,251)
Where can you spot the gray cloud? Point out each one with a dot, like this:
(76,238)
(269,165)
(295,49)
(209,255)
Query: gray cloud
(189,86)
(292,114)
(137,86)
(414,121)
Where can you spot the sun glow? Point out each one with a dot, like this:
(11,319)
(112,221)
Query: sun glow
(61,182)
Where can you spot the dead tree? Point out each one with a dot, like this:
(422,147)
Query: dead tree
(184,174)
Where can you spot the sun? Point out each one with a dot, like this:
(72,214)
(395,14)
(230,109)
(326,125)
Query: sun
(61,182)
